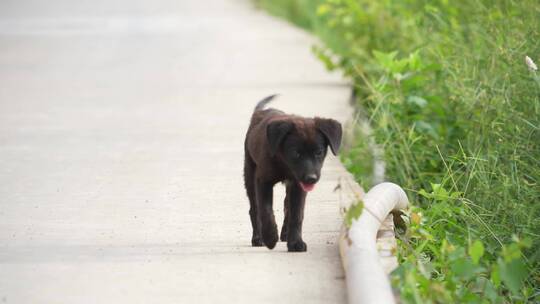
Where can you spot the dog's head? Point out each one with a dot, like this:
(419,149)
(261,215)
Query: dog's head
(302,144)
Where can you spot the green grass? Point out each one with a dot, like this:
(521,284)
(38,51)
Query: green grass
(450,99)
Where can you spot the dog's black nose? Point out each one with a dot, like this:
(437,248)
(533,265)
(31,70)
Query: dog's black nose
(311,178)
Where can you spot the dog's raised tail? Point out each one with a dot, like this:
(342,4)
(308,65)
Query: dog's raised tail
(261,104)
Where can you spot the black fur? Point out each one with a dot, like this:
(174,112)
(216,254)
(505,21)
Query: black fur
(284,148)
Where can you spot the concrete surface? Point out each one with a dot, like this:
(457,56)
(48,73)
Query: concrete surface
(121,133)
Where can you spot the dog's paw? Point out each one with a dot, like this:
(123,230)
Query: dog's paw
(256,241)
(297,246)
(270,237)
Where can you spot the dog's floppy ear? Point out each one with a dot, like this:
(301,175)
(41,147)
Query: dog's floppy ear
(276,132)
(331,129)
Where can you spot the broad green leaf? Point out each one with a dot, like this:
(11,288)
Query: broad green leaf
(438,191)
(414,61)
(457,253)
(398,66)
(476,251)
(495,276)
(426,128)
(522,243)
(512,274)
(490,292)
(511,252)
(424,193)
(385,60)
(463,268)
(417,100)
(469,297)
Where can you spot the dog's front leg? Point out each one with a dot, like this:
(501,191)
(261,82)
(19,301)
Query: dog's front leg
(297,200)
(269,233)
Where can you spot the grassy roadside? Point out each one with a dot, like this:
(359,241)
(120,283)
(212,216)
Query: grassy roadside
(457,110)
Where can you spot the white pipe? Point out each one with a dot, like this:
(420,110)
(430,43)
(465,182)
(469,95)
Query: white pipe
(366,280)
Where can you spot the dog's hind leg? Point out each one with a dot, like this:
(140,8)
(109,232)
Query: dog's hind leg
(264,191)
(285,227)
(249,181)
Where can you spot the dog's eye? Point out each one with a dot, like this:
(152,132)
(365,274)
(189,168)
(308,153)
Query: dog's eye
(319,153)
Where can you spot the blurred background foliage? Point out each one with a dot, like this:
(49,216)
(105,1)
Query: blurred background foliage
(456,110)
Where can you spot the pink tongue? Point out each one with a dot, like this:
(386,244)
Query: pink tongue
(307,187)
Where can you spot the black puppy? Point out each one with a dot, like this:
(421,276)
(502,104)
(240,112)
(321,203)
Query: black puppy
(290,149)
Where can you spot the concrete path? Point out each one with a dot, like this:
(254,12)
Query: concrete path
(121,148)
